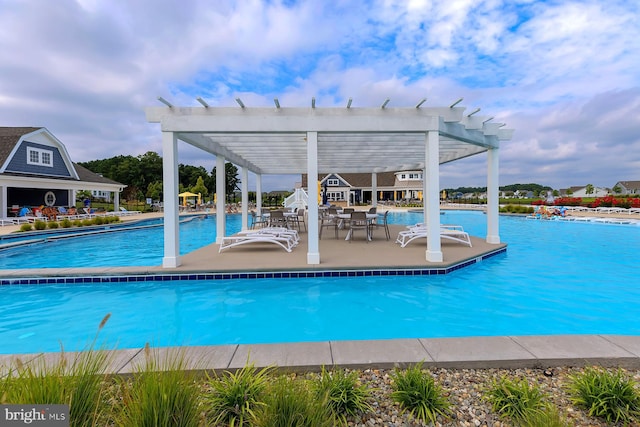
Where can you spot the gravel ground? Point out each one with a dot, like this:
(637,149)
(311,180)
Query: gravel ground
(465,389)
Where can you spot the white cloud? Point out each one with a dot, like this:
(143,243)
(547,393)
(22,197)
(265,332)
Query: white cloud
(563,73)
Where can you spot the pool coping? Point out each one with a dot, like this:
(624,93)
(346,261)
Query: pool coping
(499,352)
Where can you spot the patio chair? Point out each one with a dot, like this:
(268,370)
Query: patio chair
(298,219)
(329,220)
(277,219)
(358,221)
(257,221)
(384,224)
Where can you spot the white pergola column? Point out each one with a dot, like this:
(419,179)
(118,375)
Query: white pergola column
(259,195)
(220,202)
(244,188)
(313,251)
(493,202)
(116,201)
(374,189)
(431,196)
(171,257)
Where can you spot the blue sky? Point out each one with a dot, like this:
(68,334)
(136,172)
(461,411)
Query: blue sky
(563,74)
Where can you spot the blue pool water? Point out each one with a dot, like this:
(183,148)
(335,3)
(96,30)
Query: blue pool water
(556,278)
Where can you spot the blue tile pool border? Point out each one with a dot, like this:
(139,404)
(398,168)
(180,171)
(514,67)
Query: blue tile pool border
(292,274)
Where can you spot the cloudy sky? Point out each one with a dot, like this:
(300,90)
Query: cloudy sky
(564,74)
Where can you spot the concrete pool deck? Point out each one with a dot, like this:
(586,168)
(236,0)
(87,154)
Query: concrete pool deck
(337,254)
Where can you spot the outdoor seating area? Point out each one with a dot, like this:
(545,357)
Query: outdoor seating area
(334,218)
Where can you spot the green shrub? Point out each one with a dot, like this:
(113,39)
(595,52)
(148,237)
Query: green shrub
(233,397)
(162,392)
(39,225)
(516,399)
(417,393)
(74,380)
(98,220)
(343,393)
(65,223)
(519,209)
(53,225)
(77,223)
(26,227)
(290,403)
(611,396)
(87,222)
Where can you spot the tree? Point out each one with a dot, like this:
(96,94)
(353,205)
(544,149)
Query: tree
(154,190)
(617,189)
(200,188)
(232,181)
(188,175)
(589,189)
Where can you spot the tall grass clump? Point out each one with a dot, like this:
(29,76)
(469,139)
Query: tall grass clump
(161,393)
(417,393)
(26,227)
(549,417)
(291,403)
(516,399)
(75,379)
(234,397)
(39,225)
(66,223)
(611,396)
(343,392)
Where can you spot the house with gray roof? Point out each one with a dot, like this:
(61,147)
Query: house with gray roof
(628,187)
(36,170)
(353,188)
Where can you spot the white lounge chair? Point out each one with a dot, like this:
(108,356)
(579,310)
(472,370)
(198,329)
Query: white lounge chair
(287,239)
(451,232)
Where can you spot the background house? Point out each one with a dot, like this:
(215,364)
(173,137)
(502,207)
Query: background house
(628,187)
(36,170)
(581,191)
(354,188)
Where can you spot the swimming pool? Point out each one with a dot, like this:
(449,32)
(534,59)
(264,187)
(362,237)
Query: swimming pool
(556,278)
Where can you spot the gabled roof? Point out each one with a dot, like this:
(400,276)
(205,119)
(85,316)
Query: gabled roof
(630,185)
(86,175)
(11,136)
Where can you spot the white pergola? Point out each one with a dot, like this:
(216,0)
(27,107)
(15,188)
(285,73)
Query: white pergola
(323,140)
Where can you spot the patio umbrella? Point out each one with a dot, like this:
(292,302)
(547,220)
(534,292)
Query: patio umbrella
(324,194)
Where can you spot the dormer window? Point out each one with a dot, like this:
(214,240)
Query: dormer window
(40,157)
(410,176)
(333,182)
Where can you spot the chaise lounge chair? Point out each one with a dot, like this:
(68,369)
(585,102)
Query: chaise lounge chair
(451,232)
(287,239)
